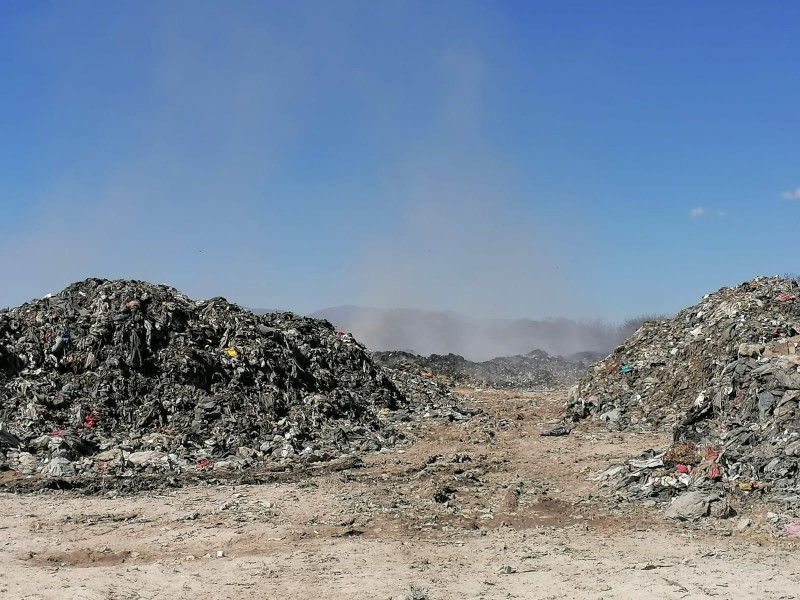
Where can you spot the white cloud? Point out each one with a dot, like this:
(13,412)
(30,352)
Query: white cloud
(791,195)
(698,212)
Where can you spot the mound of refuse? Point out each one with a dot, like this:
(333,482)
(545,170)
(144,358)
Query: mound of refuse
(121,376)
(723,374)
(536,369)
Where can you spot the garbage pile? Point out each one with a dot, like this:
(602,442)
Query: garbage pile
(116,377)
(724,375)
(537,369)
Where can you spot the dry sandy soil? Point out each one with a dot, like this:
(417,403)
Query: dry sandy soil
(483,509)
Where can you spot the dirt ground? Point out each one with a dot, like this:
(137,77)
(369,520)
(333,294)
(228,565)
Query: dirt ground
(482,509)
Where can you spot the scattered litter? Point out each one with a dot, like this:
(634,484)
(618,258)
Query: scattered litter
(558,431)
(417,594)
(506,570)
(649,566)
(691,506)
(792,530)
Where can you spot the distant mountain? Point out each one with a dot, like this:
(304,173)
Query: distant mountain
(429,332)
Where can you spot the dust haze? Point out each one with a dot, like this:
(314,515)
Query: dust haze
(191,192)
(460,258)
(431,332)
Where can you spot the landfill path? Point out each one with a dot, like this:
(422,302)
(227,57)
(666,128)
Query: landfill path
(482,508)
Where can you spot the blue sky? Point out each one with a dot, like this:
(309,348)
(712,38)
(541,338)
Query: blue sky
(579,159)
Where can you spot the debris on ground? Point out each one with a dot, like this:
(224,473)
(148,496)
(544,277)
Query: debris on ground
(417,593)
(691,506)
(724,376)
(121,377)
(558,431)
(792,530)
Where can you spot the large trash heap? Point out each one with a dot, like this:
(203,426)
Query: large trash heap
(723,375)
(120,376)
(537,369)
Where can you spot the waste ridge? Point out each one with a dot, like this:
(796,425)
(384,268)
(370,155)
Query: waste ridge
(537,369)
(724,376)
(121,376)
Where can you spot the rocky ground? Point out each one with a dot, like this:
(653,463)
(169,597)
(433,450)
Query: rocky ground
(484,508)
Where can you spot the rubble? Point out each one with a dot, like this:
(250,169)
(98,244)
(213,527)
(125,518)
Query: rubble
(723,376)
(423,396)
(537,369)
(557,432)
(120,377)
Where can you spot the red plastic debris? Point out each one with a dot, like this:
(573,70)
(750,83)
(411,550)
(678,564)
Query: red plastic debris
(89,421)
(683,468)
(713,472)
(340,333)
(784,297)
(712,453)
(204,464)
(56,432)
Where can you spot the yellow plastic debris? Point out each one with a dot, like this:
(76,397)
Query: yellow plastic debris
(231,352)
